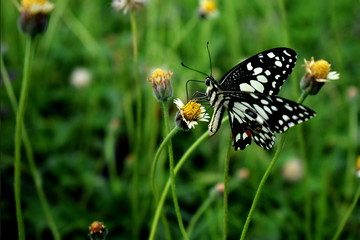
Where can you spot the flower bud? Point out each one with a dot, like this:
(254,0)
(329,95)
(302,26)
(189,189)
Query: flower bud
(161,84)
(98,231)
(34,16)
(127,5)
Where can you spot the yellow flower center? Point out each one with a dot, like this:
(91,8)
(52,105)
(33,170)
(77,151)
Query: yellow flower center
(28,3)
(192,110)
(37,6)
(159,75)
(320,69)
(209,6)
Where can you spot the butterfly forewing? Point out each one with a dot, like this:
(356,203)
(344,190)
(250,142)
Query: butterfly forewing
(263,73)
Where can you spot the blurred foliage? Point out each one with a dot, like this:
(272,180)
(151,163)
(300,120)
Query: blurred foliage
(75,131)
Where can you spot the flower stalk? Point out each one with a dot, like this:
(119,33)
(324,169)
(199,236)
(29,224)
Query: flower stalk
(135,178)
(165,191)
(172,172)
(177,168)
(164,143)
(30,156)
(347,214)
(18,134)
(301,99)
(226,188)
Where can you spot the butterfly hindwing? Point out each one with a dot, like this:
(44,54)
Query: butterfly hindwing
(257,116)
(244,112)
(263,73)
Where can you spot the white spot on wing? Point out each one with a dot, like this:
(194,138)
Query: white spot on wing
(264,101)
(271,55)
(289,107)
(254,96)
(249,67)
(245,87)
(261,111)
(286,117)
(258,70)
(286,53)
(257,85)
(267,109)
(278,63)
(244,136)
(262,78)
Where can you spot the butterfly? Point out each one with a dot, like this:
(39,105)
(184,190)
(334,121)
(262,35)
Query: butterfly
(248,92)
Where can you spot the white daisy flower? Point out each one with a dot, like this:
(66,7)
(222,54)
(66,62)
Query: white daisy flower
(316,75)
(320,70)
(189,114)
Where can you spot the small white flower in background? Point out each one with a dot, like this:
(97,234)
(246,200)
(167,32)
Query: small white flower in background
(293,170)
(80,78)
(352,93)
(189,114)
(127,5)
(243,173)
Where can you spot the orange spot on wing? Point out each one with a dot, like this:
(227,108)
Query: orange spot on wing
(248,133)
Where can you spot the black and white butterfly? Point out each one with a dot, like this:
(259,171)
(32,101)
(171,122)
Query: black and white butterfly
(248,91)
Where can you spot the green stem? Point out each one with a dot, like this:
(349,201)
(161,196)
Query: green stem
(261,185)
(137,74)
(307,204)
(266,175)
(347,214)
(30,156)
(157,156)
(205,205)
(168,183)
(18,133)
(138,142)
(153,171)
(226,181)
(172,174)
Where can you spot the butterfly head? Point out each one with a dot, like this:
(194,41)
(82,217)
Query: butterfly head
(209,80)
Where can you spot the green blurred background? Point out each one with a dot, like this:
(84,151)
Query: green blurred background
(83,137)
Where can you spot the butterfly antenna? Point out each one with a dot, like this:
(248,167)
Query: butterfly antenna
(208,49)
(182,64)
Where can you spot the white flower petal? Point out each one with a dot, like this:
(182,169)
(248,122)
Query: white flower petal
(179,104)
(333,75)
